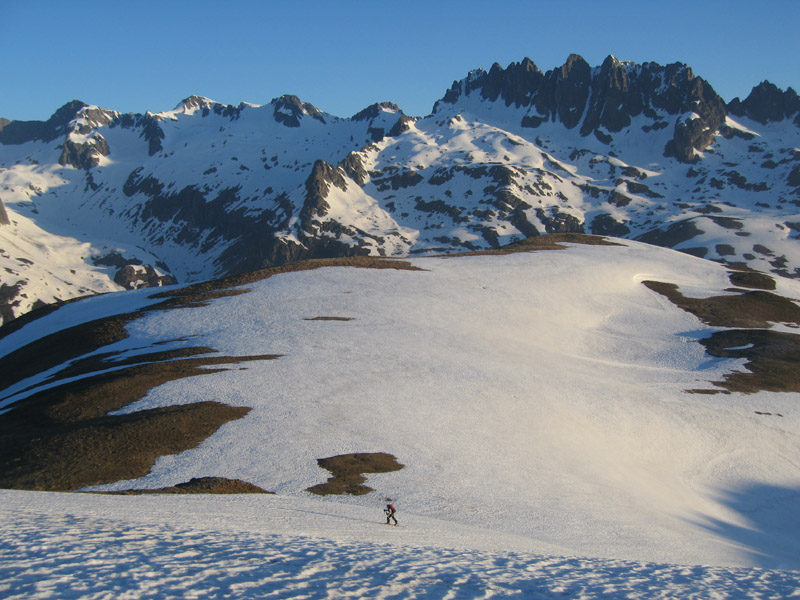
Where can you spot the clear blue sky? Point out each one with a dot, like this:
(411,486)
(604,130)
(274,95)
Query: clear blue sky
(343,55)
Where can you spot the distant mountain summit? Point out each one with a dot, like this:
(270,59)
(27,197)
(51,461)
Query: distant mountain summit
(93,200)
(604,100)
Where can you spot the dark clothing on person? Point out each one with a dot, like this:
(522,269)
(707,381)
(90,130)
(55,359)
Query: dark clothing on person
(390,511)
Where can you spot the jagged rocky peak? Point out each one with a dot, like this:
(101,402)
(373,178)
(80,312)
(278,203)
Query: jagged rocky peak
(603,100)
(767,103)
(353,166)
(20,132)
(373,110)
(89,118)
(323,176)
(288,110)
(194,103)
(516,84)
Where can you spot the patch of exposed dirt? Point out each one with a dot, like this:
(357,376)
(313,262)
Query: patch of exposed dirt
(62,346)
(203,485)
(201,293)
(63,439)
(329,319)
(550,241)
(348,472)
(772,357)
(751,309)
(752,280)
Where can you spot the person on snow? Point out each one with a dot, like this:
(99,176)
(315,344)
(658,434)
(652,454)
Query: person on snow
(390,510)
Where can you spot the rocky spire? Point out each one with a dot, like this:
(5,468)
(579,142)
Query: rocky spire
(767,103)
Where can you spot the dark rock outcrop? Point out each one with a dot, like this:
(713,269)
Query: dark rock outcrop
(766,103)
(559,222)
(84,155)
(3,215)
(373,110)
(288,110)
(20,132)
(604,100)
(605,224)
(672,235)
(134,277)
(703,114)
(402,125)
(353,165)
(323,175)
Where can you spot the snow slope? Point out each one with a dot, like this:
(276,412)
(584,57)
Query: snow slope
(82,546)
(537,396)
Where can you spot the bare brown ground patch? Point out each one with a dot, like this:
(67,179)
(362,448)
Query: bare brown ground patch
(348,472)
(550,241)
(752,280)
(751,309)
(772,357)
(329,319)
(202,485)
(63,439)
(202,292)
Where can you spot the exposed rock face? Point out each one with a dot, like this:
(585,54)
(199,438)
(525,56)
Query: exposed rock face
(317,185)
(3,215)
(704,114)
(767,103)
(20,132)
(353,165)
(403,124)
(84,155)
(515,85)
(605,224)
(606,99)
(288,110)
(134,277)
(373,110)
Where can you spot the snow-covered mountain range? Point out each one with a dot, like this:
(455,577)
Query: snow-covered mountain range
(93,200)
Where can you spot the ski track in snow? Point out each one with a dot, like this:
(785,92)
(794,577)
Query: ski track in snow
(64,546)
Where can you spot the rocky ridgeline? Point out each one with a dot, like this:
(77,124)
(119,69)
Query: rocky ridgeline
(642,151)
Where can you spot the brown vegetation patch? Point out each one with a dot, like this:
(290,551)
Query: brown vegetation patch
(751,309)
(63,439)
(550,241)
(329,319)
(752,280)
(62,346)
(772,359)
(348,472)
(200,293)
(203,485)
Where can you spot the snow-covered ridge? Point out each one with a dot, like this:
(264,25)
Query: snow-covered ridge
(206,189)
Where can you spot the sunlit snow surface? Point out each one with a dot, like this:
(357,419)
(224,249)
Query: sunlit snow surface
(72,546)
(538,398)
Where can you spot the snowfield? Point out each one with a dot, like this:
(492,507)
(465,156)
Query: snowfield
(536,400)
(255,546)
